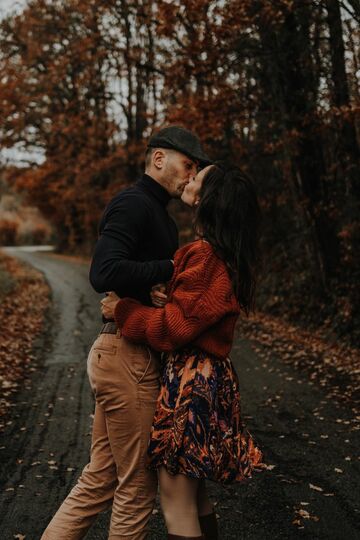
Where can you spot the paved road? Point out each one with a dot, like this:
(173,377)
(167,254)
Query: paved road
(311,492)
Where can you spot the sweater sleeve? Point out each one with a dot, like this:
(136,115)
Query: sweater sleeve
(201,296)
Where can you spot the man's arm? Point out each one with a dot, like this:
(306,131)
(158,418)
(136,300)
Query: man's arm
(114,265)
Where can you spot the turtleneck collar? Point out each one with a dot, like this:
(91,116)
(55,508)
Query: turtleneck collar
(157,190)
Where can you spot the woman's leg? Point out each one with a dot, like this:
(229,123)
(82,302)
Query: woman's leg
(204,505)
(178,496)
(207,516)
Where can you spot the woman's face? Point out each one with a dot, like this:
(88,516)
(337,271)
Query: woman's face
(191,192)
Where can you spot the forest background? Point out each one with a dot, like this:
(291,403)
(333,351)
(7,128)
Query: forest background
(271,85)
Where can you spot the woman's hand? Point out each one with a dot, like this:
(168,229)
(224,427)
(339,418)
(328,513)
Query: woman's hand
(158,296)
(108,305)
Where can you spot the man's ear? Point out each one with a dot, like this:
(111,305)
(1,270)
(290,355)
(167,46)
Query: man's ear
(158,158)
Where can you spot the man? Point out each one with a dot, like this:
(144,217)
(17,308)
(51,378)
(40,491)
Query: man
(135,249)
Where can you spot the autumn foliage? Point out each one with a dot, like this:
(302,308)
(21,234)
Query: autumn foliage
(23,320)
(272,85)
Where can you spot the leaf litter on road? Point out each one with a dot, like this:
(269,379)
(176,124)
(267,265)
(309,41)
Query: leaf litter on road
(24,321)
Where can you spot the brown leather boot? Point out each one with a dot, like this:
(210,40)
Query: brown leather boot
(176,537)
(208,526)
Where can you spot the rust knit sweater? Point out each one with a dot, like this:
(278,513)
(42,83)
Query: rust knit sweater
(202,309)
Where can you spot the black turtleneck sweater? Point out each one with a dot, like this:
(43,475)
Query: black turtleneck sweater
(137,241)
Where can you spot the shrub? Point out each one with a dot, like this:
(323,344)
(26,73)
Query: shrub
(8,232)
(38,234)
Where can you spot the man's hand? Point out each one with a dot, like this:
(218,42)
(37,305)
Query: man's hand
(108,305)
(158,296)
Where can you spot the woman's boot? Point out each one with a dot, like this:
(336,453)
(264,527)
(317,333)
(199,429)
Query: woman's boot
(208,526)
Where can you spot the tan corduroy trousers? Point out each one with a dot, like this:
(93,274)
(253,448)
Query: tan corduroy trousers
(125,381)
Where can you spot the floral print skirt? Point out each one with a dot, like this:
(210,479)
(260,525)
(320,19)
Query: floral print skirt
(197,428)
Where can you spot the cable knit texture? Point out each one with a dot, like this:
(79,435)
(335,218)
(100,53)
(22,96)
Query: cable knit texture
(202,309)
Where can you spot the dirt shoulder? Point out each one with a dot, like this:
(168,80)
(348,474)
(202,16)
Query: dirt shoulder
(25,297)
(333,365)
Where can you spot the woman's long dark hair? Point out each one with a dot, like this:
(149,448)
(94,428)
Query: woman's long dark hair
(228,217)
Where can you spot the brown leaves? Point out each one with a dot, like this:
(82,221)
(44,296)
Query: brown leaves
(300,515)
(326,363)
(21,316)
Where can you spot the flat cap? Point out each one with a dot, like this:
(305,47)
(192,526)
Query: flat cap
(182,140)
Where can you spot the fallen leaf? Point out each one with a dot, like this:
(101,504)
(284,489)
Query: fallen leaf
(304,514)
(316,488)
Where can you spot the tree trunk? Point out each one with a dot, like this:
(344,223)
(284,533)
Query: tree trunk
(348,150)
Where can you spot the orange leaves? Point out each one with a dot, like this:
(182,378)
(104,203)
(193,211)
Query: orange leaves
(21,315)
(75,85)
(166,14)
(335,366)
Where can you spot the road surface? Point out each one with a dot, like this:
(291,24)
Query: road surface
(310,491)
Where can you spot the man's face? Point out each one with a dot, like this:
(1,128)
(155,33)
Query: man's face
(177,172)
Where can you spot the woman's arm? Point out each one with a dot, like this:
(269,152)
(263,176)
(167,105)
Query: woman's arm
(202,295)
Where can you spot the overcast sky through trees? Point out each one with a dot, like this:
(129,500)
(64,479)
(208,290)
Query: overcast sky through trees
(7,6)
(6,154)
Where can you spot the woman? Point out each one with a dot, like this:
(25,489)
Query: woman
(197,432)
